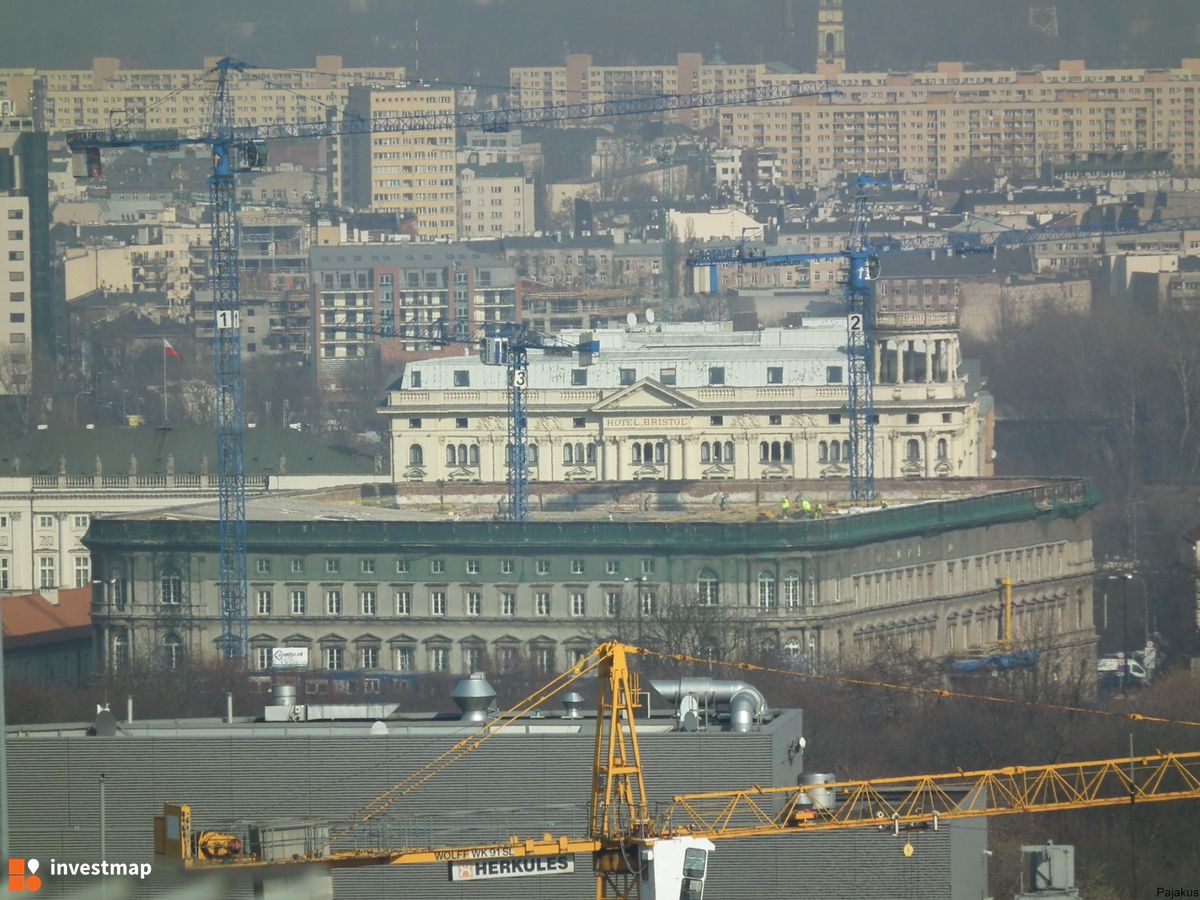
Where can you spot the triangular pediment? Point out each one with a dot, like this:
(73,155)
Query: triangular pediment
(645,394)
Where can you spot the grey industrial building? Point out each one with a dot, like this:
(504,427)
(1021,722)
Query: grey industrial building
(532,779)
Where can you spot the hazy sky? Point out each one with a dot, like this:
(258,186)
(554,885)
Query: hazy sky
(458,38)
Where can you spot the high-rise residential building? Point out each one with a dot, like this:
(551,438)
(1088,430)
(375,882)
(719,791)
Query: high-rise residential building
(109,93)
(27,319)
(401,171)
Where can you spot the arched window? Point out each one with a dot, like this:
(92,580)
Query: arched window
(568,454)
(705,453)
(729,451)
(766,590)
(912,450)
(171,587)
(846,451)
(660,452)
(172,651)
(531,456)
(943,449)
(120,648)
(474,454)
(462,454)
(416,456)
(776,451)
(823,452)
(708,588)
(579,453)
(835,451)
(791,648)
(637,453)
(717,453)
(591,454)
(451,456)
(787,451)
(764,452)
(791,589)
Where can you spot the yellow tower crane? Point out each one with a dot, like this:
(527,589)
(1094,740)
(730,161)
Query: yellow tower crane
(635,854)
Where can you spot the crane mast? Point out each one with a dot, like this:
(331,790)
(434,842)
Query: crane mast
(227,372)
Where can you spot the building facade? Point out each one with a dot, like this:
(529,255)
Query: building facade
(29,319)
(370,587)
(673,402)
(364,293)
(62,100)
(401,171)
(494,200)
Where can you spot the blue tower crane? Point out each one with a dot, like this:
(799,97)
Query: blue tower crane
(242,148)
(862,257)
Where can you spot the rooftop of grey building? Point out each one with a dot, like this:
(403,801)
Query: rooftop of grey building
(180,449)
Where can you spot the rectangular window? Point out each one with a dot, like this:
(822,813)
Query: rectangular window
(5,575)
(402,659)
(578,603)
(368,657)
(716,375)
(716,420)
(298,601)
(368,602)
(666,376)
(835,419)
(579,377)
(543,659)
(415,381)
(402,567)
(81,522)
(613,567)
(263,601)
(45,521)
(262,657)
(612,603)
(577,567)
(462,378)
(262,566)
(543,567)
(628,376)
(366,566)
(333,602)
(774,420)
(579,422)
(649,603)
(647,567)
(541,605)
(437,603)
(333,566)
(472,567)
(508,604)
(46,573)
(83,571)
(474,603)
(774,374)
(437,566)
(912,419)
(506,567)
(439,659)
(414,423)
(334,657)
(403,599)
(297,566)
(833,374)
(462,423)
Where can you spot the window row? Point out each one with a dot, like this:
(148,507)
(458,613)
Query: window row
(437,603)
(542,656)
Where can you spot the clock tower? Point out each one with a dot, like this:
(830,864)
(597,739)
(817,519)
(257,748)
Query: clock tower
(831,38)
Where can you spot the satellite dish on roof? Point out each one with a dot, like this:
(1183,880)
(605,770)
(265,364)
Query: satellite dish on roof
(650,316)
(630,319)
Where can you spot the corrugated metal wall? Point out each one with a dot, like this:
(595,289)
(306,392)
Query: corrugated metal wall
(531,783)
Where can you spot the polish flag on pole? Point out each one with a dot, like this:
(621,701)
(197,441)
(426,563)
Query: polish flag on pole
(170,352)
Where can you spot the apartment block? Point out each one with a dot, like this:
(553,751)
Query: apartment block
(27,314)
(495,200)
(107,93)
(401,171)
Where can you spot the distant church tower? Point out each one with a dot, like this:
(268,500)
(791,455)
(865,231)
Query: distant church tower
(831,38)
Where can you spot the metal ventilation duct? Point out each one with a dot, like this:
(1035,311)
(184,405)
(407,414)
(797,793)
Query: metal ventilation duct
(474,697)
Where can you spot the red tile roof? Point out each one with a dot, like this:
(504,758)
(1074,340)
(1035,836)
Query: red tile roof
(31,619)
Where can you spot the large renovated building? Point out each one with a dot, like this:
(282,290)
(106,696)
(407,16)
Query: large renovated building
(424,579)
(27,313)
(69,99)
(697,401)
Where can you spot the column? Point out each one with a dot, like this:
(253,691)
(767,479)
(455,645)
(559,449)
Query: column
(680,467)
(66,566)
(928,361)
